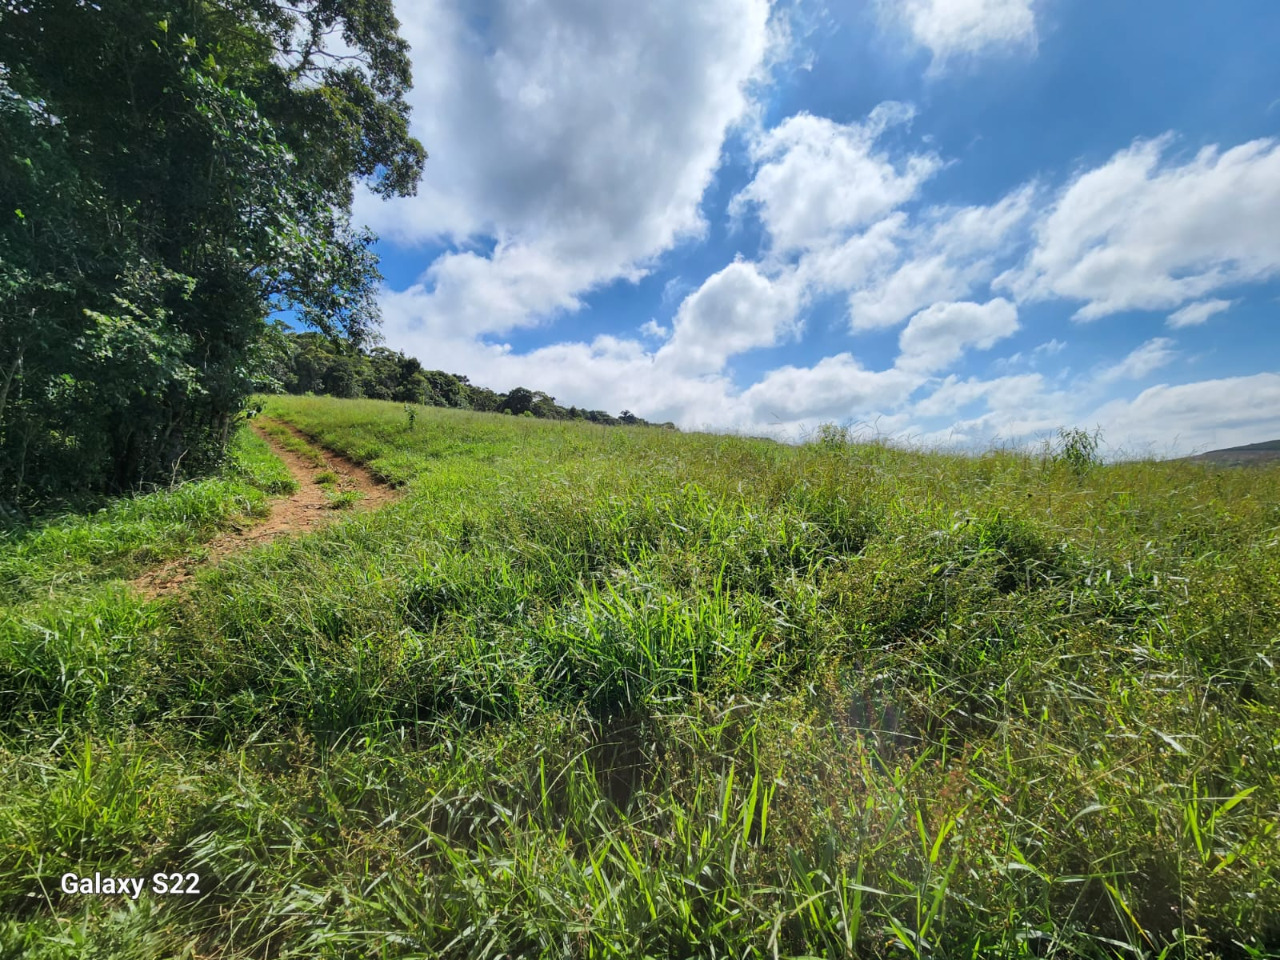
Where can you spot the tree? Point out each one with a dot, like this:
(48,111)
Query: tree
(518,401)
(173,172)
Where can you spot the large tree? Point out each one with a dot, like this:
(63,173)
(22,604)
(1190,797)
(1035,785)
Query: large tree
(171,173)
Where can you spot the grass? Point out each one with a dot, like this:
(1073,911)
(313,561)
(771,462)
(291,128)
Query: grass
(252,460)
(67,553)
(288,439)
(75,639)
(343,499)
(618,692)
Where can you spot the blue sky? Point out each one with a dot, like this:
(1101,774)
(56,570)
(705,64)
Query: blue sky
(951,222)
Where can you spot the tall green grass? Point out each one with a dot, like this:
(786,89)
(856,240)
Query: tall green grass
(74,638)
(621,692)
(59,553)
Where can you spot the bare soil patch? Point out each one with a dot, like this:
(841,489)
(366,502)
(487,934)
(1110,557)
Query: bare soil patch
(307,509)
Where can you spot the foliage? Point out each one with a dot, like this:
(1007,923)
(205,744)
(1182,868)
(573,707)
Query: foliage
(173,171)
(602,694)
(1077,448)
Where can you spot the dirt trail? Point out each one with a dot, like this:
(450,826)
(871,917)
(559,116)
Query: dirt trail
(305,510)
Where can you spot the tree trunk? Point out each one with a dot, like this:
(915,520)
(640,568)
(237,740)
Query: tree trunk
(9,374)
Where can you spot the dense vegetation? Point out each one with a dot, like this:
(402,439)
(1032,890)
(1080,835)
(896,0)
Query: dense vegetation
(171,172)
(314,363)
(621,693)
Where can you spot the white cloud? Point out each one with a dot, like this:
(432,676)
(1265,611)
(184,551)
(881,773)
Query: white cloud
(1194,314)
(818,179)
(1019,410)
(1141,362)
(515,286)
(854,261)
(828,198)
(1137,233)
(945,255)
(1049,348)
(835,388)
(1163,421)
(1001,394)
(913,285)
(952,29)
(652,328)
(572,145)
(735,310)
(937,336)
(580,137)
(614,374)
(1171,420)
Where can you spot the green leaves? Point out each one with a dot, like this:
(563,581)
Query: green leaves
(174,179)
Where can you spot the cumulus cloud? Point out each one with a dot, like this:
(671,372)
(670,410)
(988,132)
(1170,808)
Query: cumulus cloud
(1140,363)
(829,199)
(945,255)
(1141,233)
(937,336)
(736,309)
(572,145)
(819,179)
(957,29)
(513,287)
(835,388)
(1047,349)
(1017,409)
(854,261)
(1169,420)
(1164,420)
(1001,394)
(914,284)
(1194,314)
(580,137)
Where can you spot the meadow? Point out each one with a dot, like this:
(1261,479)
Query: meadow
(593,692)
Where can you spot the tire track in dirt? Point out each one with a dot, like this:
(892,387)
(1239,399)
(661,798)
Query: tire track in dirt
(308,509)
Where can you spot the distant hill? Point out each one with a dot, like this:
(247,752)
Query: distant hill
(1253,453)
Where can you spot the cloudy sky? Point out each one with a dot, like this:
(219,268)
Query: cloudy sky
(946,221)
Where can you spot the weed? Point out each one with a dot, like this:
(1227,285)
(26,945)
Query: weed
(1077,448)
(343,499)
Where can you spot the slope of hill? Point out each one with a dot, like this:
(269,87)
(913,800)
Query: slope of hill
(601,693)
(1253,453)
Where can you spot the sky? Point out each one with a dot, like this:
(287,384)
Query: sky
(949,223)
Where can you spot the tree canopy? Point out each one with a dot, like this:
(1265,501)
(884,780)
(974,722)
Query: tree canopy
(315,363)
(172,172)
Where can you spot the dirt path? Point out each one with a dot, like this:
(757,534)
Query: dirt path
(309,508)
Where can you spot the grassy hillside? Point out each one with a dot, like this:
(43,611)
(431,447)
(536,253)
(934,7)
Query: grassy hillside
(590,692)
(1250,454)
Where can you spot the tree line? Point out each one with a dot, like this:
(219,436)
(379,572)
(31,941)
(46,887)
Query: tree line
(315,363)
(172,173)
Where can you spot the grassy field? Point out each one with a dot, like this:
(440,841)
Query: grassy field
(623,692)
